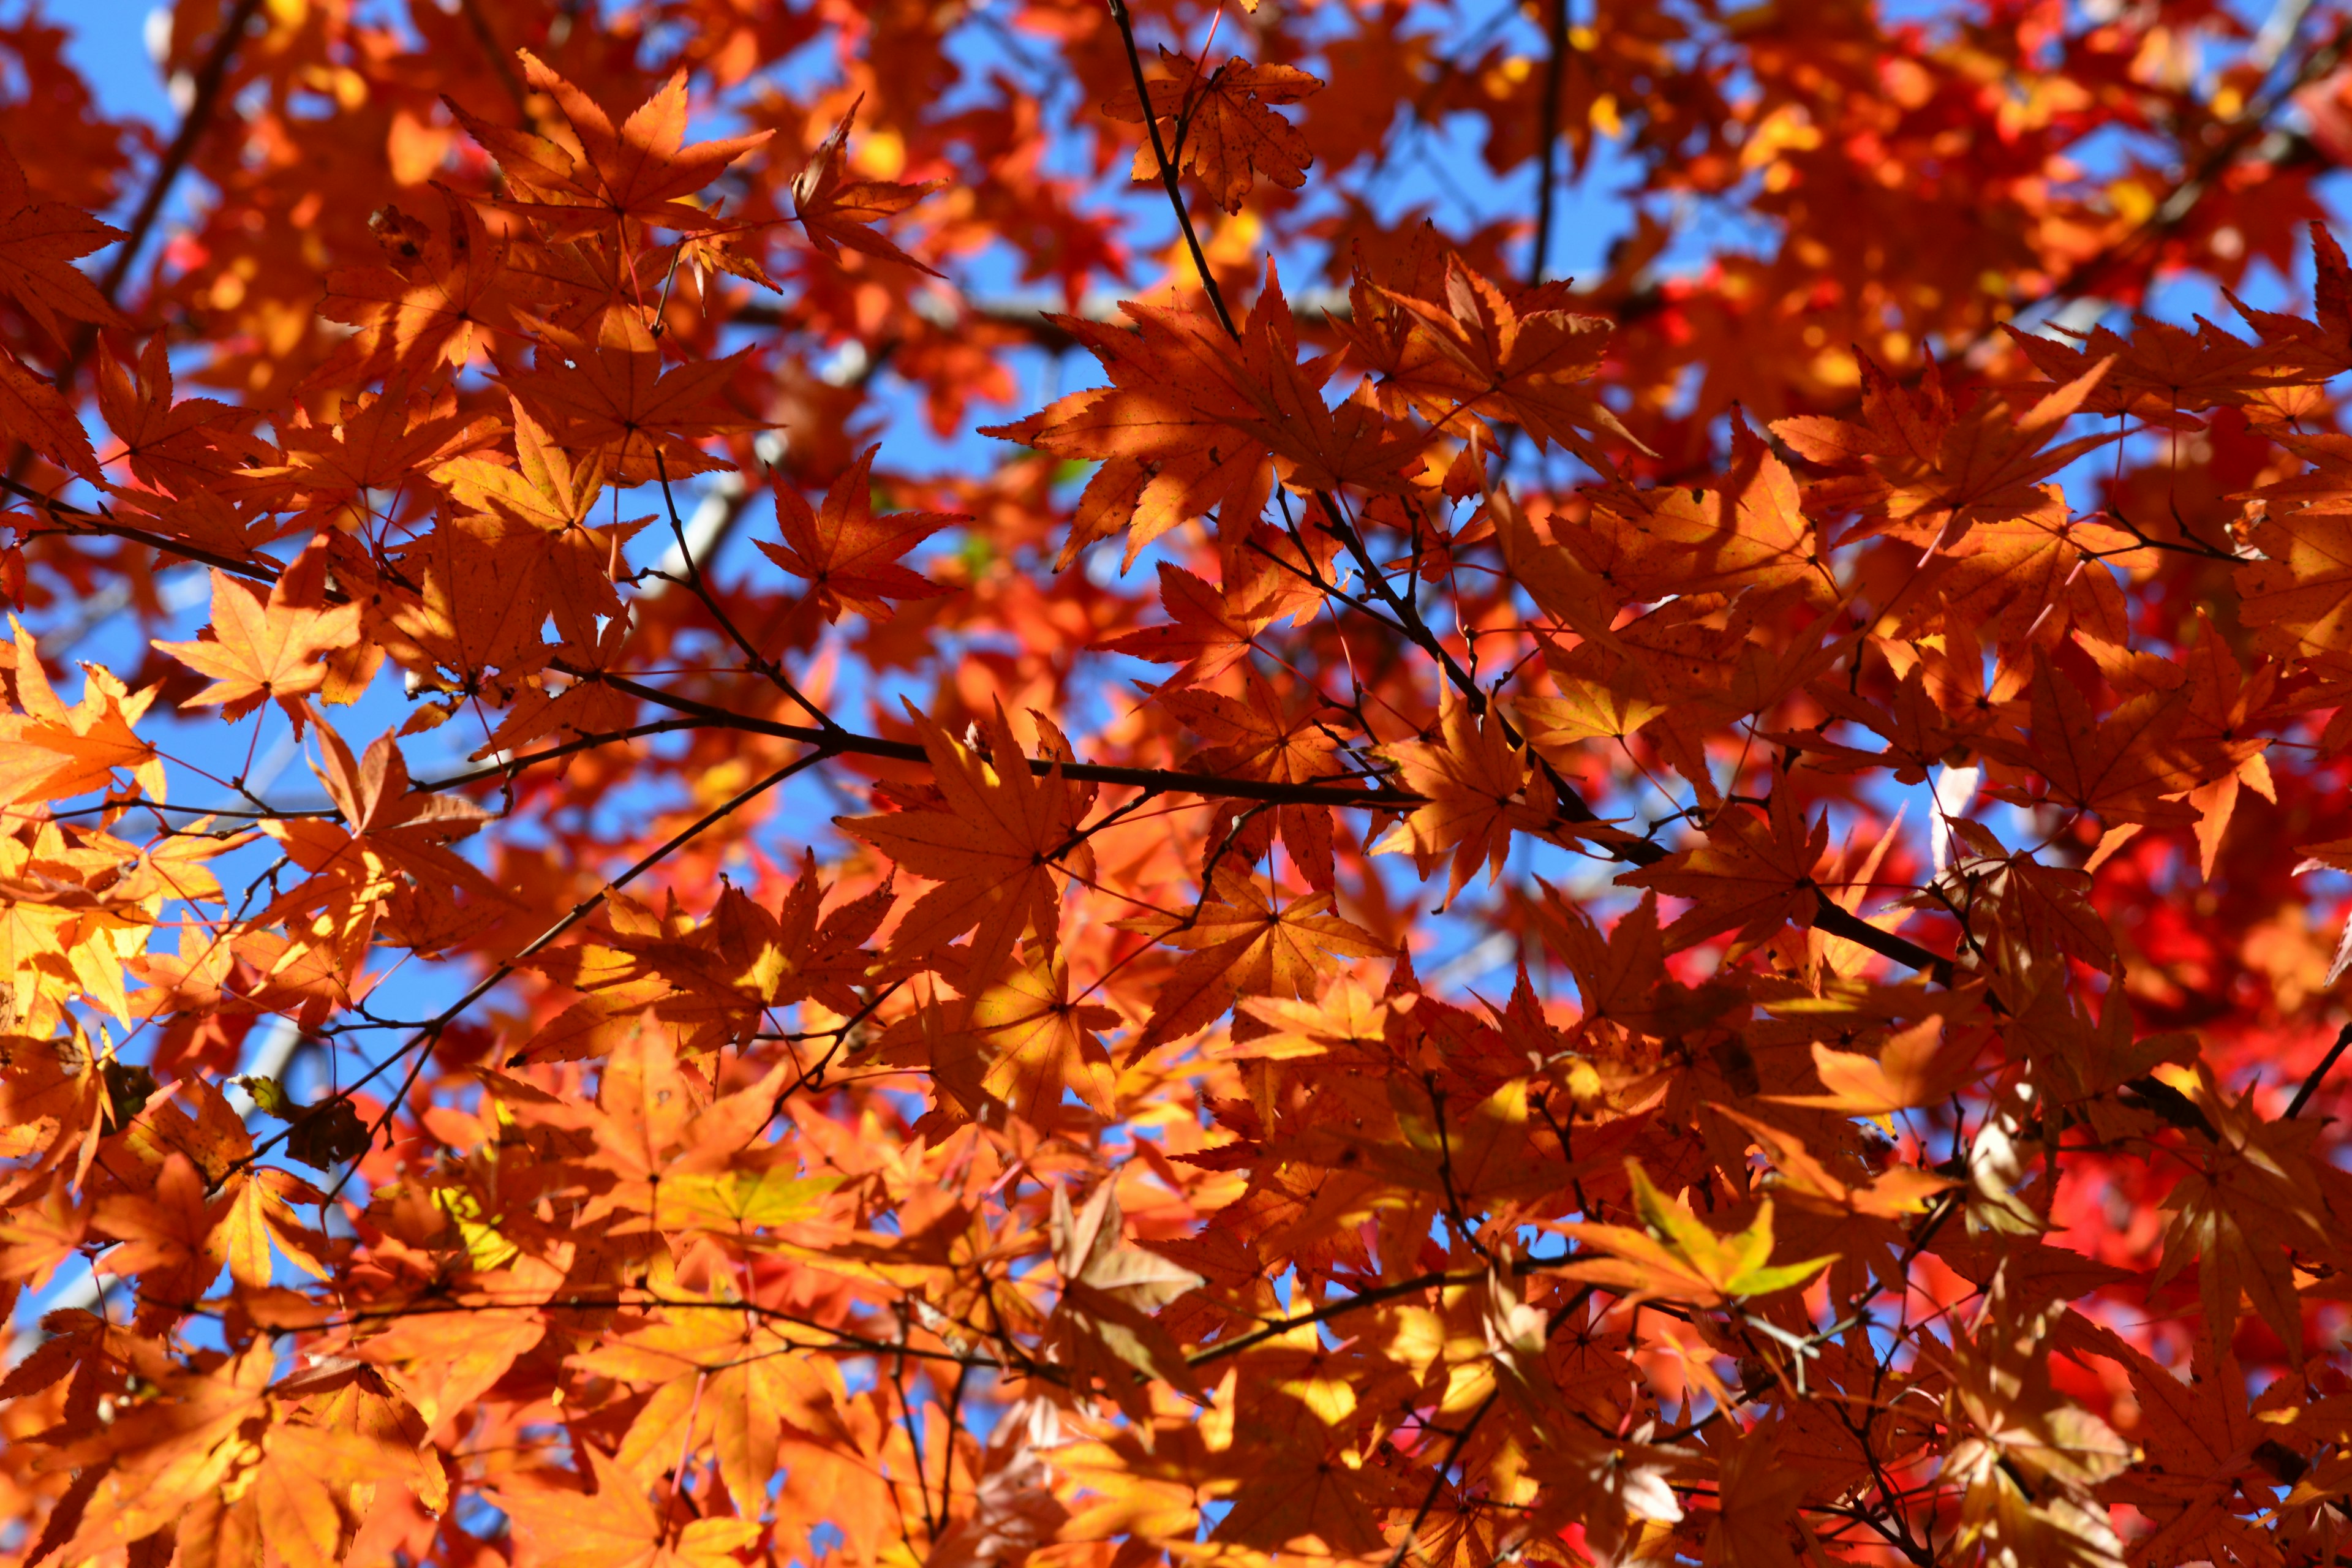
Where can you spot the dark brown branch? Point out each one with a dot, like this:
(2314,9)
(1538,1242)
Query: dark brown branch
(1167,170)
(1437,1480)
(1555,67)
(72,520)
(2319,1074)
(1368,1298)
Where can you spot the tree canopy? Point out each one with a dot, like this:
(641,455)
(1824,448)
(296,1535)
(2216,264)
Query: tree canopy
(1241,783)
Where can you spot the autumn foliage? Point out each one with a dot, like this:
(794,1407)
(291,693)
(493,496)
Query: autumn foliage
(820,783)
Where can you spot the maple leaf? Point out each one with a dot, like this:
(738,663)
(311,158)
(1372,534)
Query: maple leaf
(260,1218)
(716,981)
(582,707)
(1835,1186)
(1747,531)
(2197,1439)
(168,1239)
(1480,1153)
(615,1526)
(738,1201)
(435,1366)
(2161,372)
(1934,471)
(1677,1257)
(263,650)
(389,835)
(1244,943)
(993,850)
(1037,1041)
(2012,1429)
(2121,765)
(1923,1065)
(1586,709)
(38,240)
(39,1235)
(2296,592)
(375,444)
(1469,349)
(1255,738)
(638,170)
(483,589)
(182,447)
(161,1455)
(644,1105)
(33,411)
(1755,1501)
(1219,127)
(1622,977)
(1480,790)
(1108,1290)
(2322,345)
(1206,633)
(849,555)
(53,1086)
(834,211)
(2248,1203)
(54,751)
(1753,873)
(2033,575)
(550,496)
(1194,421)
(613,396)
(444,301)
(724,1378)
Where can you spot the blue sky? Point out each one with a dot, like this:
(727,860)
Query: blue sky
(109,45)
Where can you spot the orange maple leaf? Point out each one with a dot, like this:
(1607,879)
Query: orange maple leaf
(54,751)
(1479,789)
(613,396)
(33,411)
(1754,873)
(38,241)
(638,170)
(834,211)
(442,302)
(994,848)
(2298,592)
(1164,425)
(376,442)
(183,447)
(1245,943)
(1934,470)
(388,833)
(616,1526)
(1207,636)
(1923,1065)
(1471,350)
(263,650)
(1256,738)
(1219,127)
(550,494)
(719,1377)
(849,555)
(1030,1040)
(2161,373)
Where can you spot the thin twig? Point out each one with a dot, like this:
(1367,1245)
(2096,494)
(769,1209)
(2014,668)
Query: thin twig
(437,1026)
(2319,1074)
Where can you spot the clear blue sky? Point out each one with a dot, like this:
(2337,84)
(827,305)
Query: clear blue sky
(111,46)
